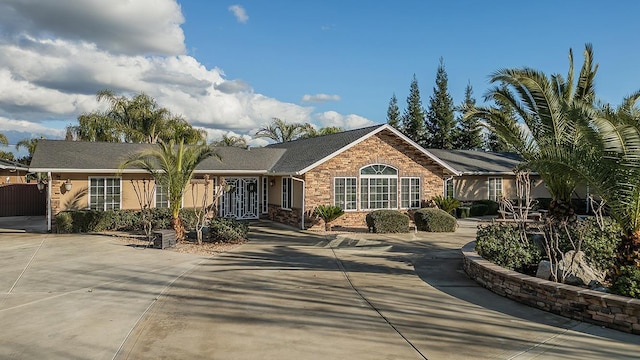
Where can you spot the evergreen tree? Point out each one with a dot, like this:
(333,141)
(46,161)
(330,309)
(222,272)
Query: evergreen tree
(413,118)
(468,131)
(440,125)
(393,113)
(494,143)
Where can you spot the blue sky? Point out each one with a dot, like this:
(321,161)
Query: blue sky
(229,67)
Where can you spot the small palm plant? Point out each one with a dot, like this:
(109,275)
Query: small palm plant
(447,204)
(328,213)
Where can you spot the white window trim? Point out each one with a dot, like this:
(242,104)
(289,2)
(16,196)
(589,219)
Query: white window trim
(378,176)
(155,196)
(410,193)
(453,187)
(289,196)
(345,193)
(104,178)
(489,188)
(264,196)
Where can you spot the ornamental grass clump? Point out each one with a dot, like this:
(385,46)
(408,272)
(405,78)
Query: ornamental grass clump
(447,204)
(434,220)
(328,213)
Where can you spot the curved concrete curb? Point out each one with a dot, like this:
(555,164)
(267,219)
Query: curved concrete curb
(613,311)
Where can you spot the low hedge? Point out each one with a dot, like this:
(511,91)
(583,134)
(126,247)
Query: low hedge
(434,220)
(492,206)
(387,221)
(83,221)
(478,209)
(228,230)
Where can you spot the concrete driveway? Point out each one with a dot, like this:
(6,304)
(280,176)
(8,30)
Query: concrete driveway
(284,295)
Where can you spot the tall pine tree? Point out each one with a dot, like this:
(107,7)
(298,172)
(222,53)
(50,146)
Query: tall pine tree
(468,132)
(440,124)
(393,113)
(413,117)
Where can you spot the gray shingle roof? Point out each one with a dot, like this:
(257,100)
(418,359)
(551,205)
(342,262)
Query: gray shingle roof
(62,155)
(303,153)
(474,162)
(8,164)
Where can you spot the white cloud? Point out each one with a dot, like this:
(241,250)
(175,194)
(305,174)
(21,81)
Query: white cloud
(118,26)
(319,98)
(332,118)
(240,13)
(54,71)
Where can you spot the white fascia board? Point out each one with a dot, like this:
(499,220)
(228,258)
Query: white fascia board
(93,171)
(231,172)
(374,132)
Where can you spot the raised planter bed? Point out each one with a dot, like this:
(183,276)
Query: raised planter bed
(609,310)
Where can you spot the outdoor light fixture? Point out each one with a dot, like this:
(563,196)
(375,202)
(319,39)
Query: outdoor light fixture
(41,184)
(271,183)
(67,185)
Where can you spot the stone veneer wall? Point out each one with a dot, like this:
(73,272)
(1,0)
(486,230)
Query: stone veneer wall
(613,311)
(382,148)
(291,217)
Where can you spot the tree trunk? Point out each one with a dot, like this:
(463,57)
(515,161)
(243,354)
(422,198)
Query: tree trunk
(176,222)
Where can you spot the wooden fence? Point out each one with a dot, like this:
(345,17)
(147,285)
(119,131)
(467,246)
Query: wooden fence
(22,200)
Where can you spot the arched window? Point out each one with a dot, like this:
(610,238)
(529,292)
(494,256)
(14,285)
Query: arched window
(378,187)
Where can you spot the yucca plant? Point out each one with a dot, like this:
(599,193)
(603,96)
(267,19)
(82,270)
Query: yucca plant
(328,213)
(447,204)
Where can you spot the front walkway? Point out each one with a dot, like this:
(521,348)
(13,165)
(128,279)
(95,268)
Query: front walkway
(299,295)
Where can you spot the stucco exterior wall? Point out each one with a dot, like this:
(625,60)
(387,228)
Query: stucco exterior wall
(8,176)
(476,187)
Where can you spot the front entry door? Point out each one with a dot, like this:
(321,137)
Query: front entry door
(241,199)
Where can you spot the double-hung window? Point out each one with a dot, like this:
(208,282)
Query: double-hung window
(265,195)
(162,196)
(495,188)
(287,193)
(104,193)
(410,192)
(378,187)
(345,193)
(448,188)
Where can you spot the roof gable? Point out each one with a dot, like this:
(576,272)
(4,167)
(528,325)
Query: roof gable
(305,154)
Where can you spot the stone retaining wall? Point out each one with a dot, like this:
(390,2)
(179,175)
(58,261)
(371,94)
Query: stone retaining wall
(613,311)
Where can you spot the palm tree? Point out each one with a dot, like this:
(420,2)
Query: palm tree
(138,119)
(29,144)
(172,165)
(231,140)
(3,140)
(310,131)
(548,122)
(279,131)
(612,168)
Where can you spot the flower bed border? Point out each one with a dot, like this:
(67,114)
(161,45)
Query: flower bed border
(609,310)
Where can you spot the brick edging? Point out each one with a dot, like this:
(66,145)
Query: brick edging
(612,311)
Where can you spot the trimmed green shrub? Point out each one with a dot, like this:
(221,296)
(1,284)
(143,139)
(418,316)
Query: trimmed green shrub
(492,206)
(478,209)
(188,217)
(63,222)
(600,245)
(501,244)
(628,282)
(448,204)
(387,221)
(228,230)
(463,212)
(434,220)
